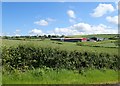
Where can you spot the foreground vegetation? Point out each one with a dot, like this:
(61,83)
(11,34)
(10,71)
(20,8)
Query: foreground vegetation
(29,56)
(30,64)
(63,76)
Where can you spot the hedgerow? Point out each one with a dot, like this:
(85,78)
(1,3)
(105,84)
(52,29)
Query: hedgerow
(25,57)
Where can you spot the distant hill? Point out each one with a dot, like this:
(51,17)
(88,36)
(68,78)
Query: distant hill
(95,35)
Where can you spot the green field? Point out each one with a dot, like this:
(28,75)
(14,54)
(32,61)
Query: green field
(64,45)
(95,35)
(41,76)
(62,76)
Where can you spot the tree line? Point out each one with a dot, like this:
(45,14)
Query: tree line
(32,37)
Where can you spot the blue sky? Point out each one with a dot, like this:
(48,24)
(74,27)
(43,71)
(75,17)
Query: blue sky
(59,18)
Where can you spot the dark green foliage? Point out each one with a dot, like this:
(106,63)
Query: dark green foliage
(25,57)
(80,43)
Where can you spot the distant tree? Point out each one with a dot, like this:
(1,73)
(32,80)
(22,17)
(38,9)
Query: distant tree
(5,37)
(62,36)
(16,36)
(80,43)
(34,37)
(53,36)
(117,43)
(49,36)
(39,36)
(57,36)
(45,36)
(42,38)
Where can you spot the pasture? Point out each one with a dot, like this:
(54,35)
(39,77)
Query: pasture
(68,46)
(95,35)
(42,76)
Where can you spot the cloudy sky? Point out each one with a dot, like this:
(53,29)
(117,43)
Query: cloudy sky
(59,18)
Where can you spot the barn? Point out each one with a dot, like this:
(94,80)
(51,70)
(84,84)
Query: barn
(96,39)
(70,39)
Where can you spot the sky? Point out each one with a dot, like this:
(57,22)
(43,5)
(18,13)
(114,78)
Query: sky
(59,18)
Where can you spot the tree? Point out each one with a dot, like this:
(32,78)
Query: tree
(49,36)
(62,36)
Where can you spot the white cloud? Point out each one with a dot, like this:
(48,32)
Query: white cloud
(41,23)
(49,33)
(71,14)
(113,19)
(17,35)
(84,28)
(66,31)
(72,21)
(102,9)
(5,34)
(17,32)
(116,3)
(50,19)
(36,32)
(1,34)
(77,29)
(62,1)
(44,22)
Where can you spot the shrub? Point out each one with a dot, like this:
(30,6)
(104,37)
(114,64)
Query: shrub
(25,57)
(80,43)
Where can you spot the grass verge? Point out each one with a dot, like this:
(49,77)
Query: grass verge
(50,76)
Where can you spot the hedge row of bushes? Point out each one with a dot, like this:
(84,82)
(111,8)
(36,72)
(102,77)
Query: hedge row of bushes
(91,44)
(27,57)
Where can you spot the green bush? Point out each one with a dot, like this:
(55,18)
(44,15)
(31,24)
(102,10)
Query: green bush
(80,43)
(25,57)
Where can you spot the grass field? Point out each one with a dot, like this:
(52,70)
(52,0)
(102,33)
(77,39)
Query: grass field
(63,76)
(95,35)
(63,45)
(41,76)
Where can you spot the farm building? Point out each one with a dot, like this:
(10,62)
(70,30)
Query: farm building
(95,39)
(70,39)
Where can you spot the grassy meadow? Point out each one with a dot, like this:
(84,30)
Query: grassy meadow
(95,35)
(69,46)
(51,75)
(41,76)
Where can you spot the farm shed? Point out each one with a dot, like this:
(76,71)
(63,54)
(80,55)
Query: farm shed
(96,39)
(70,39)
